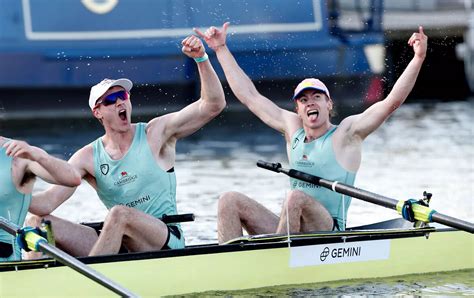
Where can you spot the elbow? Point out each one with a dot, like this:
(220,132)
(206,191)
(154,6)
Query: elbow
(74,180)
(217,106)
(40,210)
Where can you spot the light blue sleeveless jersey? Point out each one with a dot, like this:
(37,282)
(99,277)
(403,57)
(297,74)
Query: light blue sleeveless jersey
(318,158)
(136,180)
(13,204)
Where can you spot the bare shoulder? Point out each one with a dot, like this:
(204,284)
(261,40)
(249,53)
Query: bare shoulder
(346,124)
(344,133)
(85,152)
(158,124)
(158,129)
(83,160)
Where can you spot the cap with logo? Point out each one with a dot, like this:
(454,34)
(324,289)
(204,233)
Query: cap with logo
(98,90)
(310,83)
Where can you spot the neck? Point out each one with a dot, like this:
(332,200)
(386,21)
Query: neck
(315,133)
(119,140)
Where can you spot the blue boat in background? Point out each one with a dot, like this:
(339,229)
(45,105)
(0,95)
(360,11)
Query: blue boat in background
(54,50)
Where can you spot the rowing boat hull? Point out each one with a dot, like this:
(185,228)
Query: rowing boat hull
(254,263)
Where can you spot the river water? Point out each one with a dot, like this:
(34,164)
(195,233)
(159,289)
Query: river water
(427,146)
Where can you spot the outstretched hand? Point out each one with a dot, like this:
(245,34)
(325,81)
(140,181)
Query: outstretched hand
(193,47)
(22,149)
(419,42)
(214,37)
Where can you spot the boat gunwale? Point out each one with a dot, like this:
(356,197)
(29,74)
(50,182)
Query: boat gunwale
(253,243)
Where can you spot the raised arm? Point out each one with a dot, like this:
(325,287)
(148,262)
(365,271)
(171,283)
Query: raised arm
(43,165)
(212,101)
(364,124)
(244,89)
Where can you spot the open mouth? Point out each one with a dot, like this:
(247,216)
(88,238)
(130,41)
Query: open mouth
(123,114)
(313,113)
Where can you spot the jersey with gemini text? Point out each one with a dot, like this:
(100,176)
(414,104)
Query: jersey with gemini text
(13,204)
(318,158)
(136,180)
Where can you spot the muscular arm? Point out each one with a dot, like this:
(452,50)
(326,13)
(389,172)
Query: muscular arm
(43,165)
(364,124)
(280,119)
(212,101)
(45,202)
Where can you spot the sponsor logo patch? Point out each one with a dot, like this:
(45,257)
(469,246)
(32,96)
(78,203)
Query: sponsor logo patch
(125,178)
(104,168)
(139,201)
(314,255)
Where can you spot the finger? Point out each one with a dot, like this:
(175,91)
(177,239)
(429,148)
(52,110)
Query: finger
(12,147)
(198,32)
(420,30)
(14,151)
(186,49)
(185,41)
(225,26)
(8,148)
(193,43)
(17,152)
(198,42)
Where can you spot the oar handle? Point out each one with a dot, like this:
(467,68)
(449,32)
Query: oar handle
(275,167)
(167,219)
(177,218)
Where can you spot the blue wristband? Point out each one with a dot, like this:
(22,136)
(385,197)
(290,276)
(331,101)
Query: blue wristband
(202,59)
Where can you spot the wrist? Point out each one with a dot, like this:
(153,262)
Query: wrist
(219,47)
(202,59)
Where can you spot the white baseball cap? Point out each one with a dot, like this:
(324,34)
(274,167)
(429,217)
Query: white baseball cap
(310,83)
(98,90)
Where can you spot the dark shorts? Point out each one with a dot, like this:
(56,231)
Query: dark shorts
(175,238)
(335,226)
(6,250)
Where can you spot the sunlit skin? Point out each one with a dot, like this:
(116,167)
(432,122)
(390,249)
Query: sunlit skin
(110,115)
(143,232)
(314,107)
(30,161)
(300,212)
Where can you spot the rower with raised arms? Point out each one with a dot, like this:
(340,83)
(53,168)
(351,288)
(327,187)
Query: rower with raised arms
(132,168)
(314,145)
(20,163)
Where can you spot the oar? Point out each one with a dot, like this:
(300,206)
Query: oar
(421,213)
(37,243)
